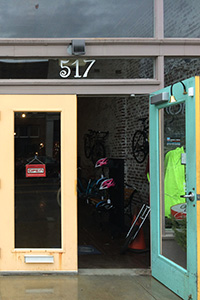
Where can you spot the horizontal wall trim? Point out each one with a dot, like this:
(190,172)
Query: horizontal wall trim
(97,41)
(80,87)
(78,82)
(95,90)
(123,47)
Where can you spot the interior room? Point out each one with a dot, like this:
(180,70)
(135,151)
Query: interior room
(106,127)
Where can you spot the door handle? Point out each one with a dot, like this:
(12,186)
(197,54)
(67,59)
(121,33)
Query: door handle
(190,196)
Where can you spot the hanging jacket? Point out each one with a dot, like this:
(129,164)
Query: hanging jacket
(174,182)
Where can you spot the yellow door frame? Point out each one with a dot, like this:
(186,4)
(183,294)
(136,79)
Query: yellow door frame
(64,259)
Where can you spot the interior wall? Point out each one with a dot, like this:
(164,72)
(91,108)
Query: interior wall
(136,108)
(120,116)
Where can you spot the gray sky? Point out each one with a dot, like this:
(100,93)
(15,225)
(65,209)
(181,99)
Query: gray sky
(75,18)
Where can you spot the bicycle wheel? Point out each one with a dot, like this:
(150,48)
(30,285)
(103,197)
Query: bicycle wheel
(58,197)
(129,204)
(139,146)
(98,151)
(176,109)
(82,187)
(129,238)
(87,145)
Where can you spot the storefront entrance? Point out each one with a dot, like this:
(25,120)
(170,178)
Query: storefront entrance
(106,126)
(38,183)
(38,163)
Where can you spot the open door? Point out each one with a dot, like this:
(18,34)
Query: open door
(175,185)
(38,215)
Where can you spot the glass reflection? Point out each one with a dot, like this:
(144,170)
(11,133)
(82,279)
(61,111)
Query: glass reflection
(173,212)
(37,180)
(76,19)
(77,68)
(184,24)
(185,67)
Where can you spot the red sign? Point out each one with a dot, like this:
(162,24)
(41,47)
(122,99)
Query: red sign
(36,170)
(179,211)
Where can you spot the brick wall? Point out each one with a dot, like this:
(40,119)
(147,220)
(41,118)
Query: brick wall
(101,114)
(120,117)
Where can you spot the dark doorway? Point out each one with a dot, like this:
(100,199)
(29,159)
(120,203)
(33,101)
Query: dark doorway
(111,122)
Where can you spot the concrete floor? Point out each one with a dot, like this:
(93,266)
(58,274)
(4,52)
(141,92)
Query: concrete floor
(82,287)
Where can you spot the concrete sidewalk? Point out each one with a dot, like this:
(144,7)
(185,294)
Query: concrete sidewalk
(83,287)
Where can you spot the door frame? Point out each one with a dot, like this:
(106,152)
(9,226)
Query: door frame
(160,264)
(65,258)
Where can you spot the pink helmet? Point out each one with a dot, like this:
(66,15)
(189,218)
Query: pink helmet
(106,184)
(101,162)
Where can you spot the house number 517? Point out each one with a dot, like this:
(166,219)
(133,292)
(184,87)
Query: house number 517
(66,68)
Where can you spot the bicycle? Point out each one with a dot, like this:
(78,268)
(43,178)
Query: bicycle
(94,144)
(131,197)
(88,188)
(85,189)
(82,186)
(140,143)
(136,226)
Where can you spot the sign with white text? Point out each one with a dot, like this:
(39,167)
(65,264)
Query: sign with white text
(36,170)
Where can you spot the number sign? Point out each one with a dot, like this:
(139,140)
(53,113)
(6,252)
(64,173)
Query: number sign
(67,64)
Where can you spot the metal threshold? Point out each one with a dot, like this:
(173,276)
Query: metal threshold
(119,272)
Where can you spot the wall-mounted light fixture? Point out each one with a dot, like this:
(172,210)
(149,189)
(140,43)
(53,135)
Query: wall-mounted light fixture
(77,47)
(172,98)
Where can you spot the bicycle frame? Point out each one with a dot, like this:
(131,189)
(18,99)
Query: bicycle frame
(94,144)
(140,144)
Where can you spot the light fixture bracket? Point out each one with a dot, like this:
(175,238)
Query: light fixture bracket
(77,47)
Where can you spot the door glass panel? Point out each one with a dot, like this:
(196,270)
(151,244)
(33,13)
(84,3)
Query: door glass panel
(37,180)
(173,181)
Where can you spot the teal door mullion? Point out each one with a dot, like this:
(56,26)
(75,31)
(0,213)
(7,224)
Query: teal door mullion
(154,190)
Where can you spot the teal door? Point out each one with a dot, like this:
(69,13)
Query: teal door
(173,188)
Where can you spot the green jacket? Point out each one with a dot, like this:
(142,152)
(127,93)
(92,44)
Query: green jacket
(174,181)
